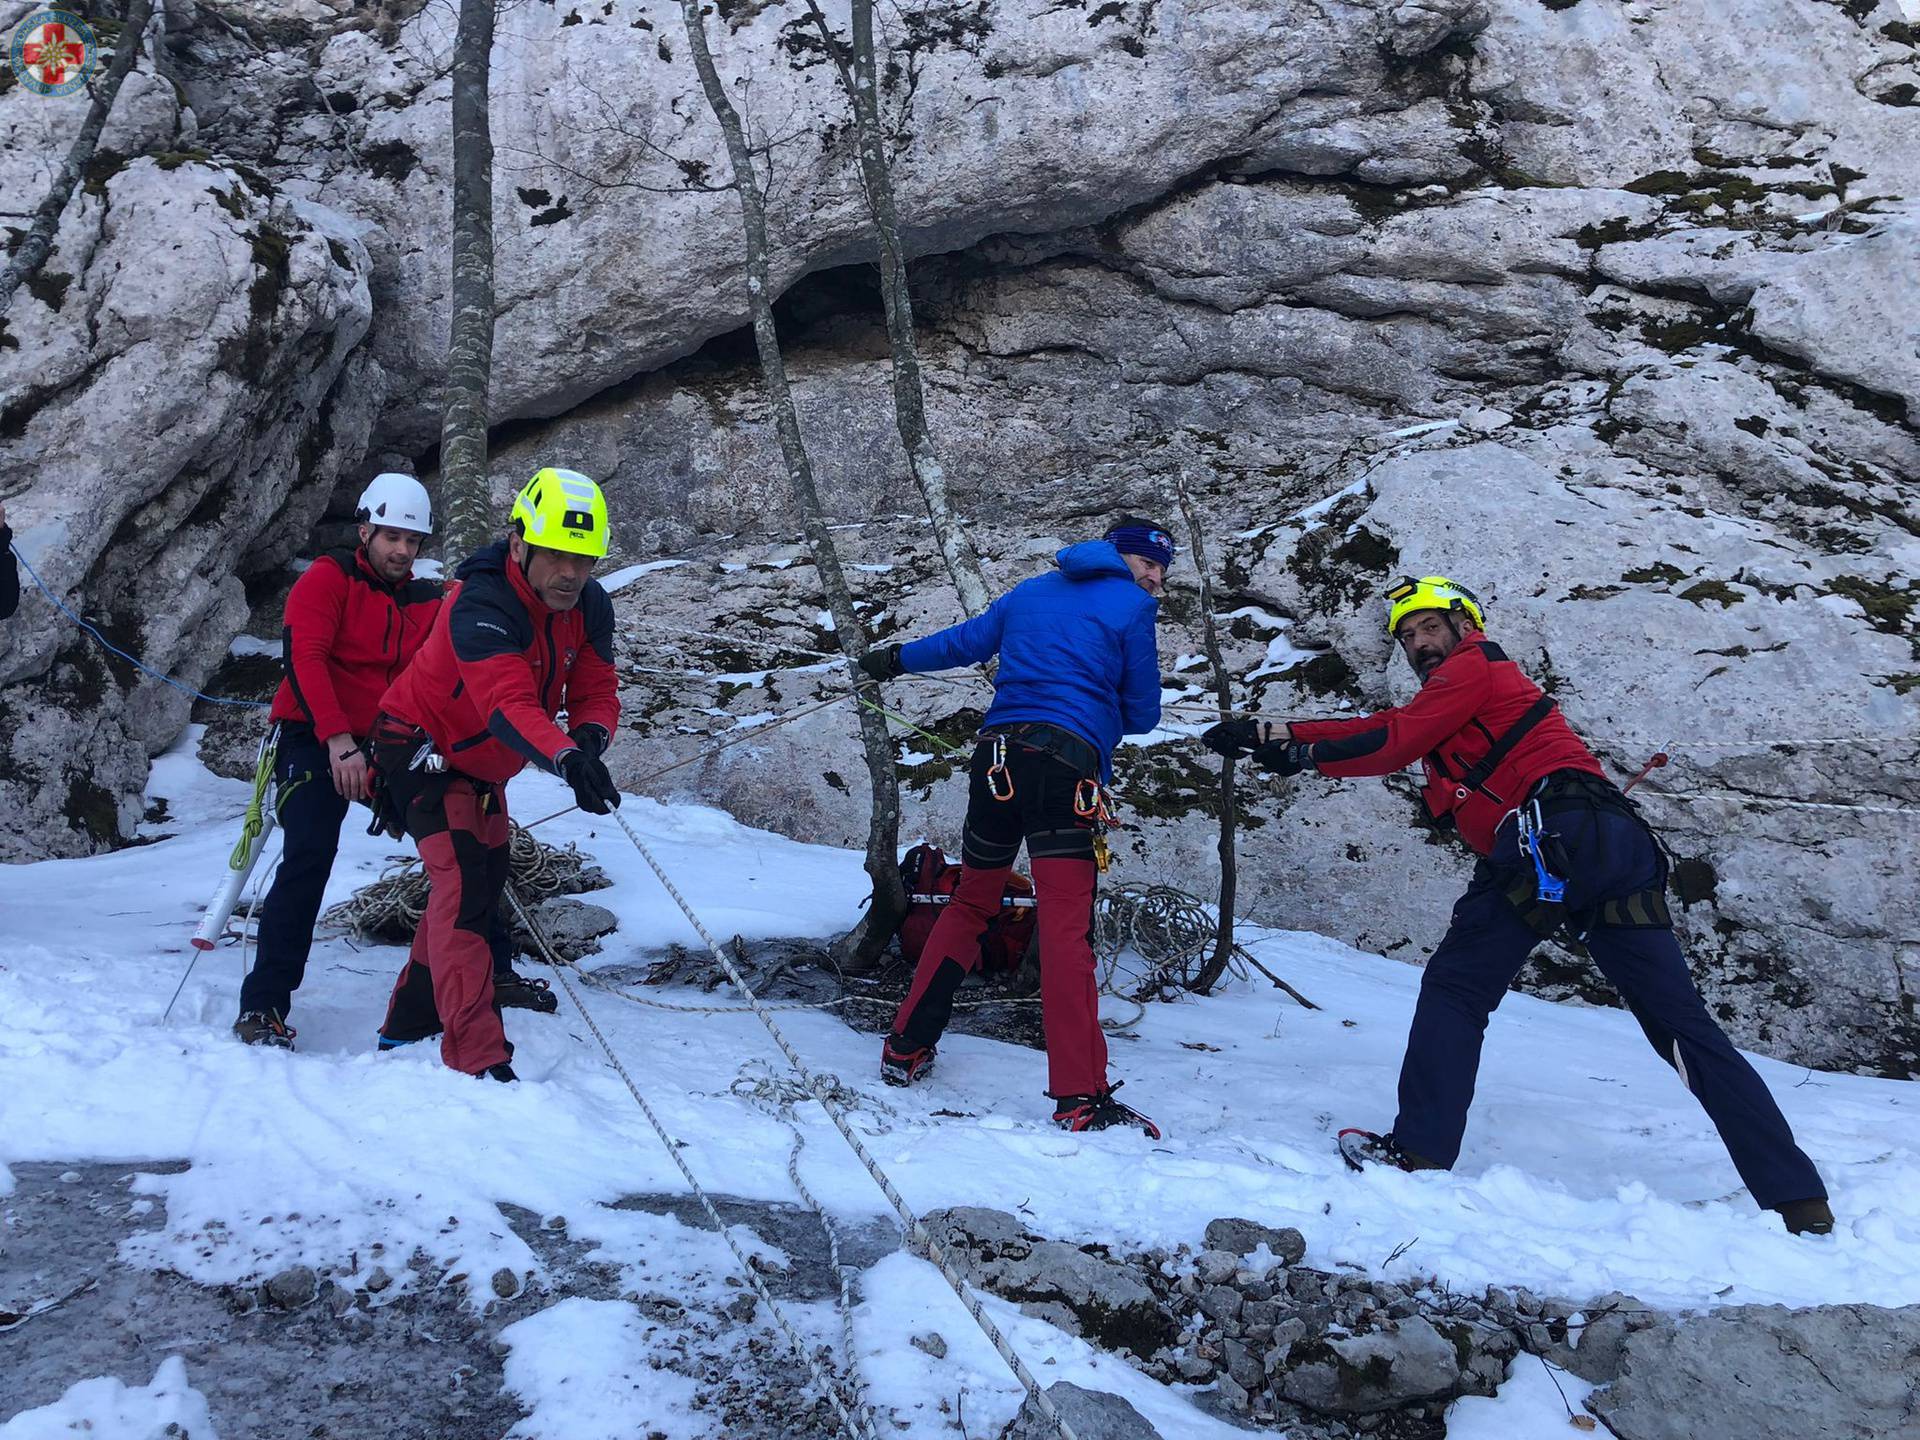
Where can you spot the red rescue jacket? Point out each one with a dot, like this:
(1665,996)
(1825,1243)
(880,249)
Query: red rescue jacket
(345,635)
(500,666)
(1469,702)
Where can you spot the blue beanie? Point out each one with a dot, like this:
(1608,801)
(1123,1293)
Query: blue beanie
(1133,536)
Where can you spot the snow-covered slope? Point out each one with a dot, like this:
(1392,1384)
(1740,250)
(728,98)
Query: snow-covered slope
(1587,1168)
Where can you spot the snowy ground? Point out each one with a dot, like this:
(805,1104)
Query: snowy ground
(1587,1169)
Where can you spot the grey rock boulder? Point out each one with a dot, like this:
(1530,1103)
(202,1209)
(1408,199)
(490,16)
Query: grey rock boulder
(1093,1414)
(574,927)
(1243,1237)
(293,1287)
(1763,1372)
(1108,1301)
(1597,1349)
(1381,1370)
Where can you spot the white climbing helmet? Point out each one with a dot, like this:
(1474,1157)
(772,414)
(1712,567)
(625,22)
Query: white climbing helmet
(396,500)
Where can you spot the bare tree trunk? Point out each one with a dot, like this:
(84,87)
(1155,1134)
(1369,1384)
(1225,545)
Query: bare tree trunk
(464,497)
(38,244)
(857,78)
(1216,965)
(863,945)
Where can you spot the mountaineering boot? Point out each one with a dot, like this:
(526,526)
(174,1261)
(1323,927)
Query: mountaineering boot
(502,1072)
(513,991)
(1807,1217)
(265,1027)
(902,1062)
(1361,1148)
(1099,1111)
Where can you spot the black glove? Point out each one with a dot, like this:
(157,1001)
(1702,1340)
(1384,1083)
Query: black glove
(1235,739)
(882,664)
(591,738)
(1284,757)
(592,786)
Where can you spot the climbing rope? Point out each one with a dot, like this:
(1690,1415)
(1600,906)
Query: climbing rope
(1210,711)
(393,904)
(133,660)
(776,1098)
(824,1089)
(1166,928)
(1169,929)
(855,1416)
(1736,797)
(255,820)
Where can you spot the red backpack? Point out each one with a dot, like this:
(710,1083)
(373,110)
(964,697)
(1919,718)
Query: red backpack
(930,880)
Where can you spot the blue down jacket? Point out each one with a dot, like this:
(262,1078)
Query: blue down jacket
(1076,649)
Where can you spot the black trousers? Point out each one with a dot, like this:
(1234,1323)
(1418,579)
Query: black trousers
(1608,855)
(310,815)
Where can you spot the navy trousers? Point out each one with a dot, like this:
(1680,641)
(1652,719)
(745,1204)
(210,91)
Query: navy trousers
(1609,855)
(310,816)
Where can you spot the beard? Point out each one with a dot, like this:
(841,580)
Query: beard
(1425,662)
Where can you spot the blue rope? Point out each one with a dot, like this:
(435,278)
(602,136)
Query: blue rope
(133,660)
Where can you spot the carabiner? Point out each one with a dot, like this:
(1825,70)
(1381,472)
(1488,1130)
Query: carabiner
(999,779)
(1550,888)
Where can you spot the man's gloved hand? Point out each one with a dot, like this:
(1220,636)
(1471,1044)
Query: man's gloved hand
(1284,757)
(882,664)
(591,738)
(1235,739)
(592,786)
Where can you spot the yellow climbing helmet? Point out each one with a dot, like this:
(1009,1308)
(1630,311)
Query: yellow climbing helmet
(563,510)
(1430,592)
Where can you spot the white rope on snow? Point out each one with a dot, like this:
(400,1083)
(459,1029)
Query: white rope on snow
(858,1421)
(823,1089)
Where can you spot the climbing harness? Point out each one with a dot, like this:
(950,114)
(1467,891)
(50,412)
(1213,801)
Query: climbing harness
(1477,775)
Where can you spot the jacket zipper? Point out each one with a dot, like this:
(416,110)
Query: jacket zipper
(553,667)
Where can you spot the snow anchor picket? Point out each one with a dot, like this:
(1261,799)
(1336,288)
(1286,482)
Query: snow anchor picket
(823,1089)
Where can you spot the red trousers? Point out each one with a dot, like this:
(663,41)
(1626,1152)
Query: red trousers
(448,978)
(1045,775)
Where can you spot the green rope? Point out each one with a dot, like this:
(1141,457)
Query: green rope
(255,821)
(945,745)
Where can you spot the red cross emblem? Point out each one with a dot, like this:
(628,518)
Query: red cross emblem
(52,51)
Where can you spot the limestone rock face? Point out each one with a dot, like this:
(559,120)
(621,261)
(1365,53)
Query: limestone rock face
(1606,309)
(178,398)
